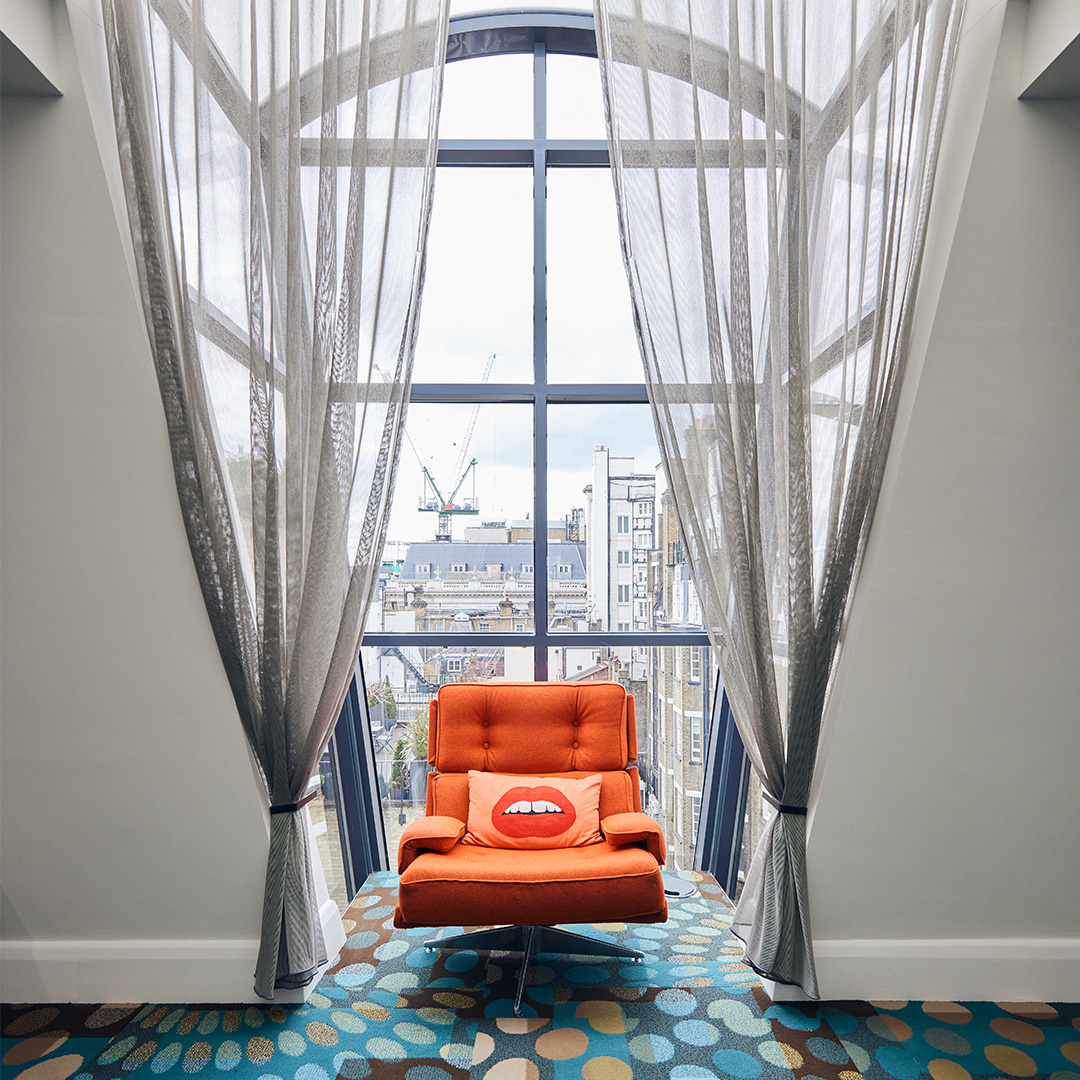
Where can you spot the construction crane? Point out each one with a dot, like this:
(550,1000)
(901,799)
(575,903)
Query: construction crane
(433,499)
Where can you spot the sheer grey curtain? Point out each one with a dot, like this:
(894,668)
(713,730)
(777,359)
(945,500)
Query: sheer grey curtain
(773,163)
(278,160)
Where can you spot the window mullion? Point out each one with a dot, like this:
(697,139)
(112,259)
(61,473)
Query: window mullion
(540,448)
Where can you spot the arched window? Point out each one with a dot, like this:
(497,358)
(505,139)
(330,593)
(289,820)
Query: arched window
(528,406)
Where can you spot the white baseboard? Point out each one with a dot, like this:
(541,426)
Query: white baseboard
(151,970)
(949,969)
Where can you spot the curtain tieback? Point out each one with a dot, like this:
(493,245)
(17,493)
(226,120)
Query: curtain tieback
(292,807)
(784,808)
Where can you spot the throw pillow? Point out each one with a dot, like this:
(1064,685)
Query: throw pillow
(532,811)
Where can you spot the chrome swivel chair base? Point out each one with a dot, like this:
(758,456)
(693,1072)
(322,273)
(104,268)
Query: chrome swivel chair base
(531,940)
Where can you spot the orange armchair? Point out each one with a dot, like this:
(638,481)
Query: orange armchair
(531,729)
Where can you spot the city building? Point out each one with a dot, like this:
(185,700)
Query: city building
(619,534)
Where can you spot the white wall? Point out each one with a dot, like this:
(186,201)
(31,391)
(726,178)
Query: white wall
(28,25)
(1051,36)
(134,837)
(944,852)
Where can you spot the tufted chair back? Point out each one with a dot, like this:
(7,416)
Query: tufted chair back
(532,729)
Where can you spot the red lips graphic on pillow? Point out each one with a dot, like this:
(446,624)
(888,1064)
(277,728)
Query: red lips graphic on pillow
(533,811)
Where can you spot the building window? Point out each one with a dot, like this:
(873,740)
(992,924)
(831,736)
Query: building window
(459,568)
(423,568)
(695,815)
(624,594)
(484,627)
(519,628)
(695,663)
(622,523)
(623,628)
(695,736)
(453,664)
(526,567)
(622,557)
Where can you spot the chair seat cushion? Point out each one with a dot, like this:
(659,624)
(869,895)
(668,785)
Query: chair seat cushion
(477,886)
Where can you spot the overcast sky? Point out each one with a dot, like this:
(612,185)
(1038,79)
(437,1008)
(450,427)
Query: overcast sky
(478,301)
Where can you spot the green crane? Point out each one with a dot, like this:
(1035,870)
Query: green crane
(433,499)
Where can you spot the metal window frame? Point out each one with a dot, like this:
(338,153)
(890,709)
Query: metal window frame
(541,34)
(538,34)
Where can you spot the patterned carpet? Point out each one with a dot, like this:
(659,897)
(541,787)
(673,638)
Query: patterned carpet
(389,1010)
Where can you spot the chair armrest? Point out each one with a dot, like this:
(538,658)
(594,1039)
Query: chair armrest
(633,829)
(436,833)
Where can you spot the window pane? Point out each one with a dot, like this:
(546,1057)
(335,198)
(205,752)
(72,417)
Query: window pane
(575,106)
(669,708)
(488,97)
(478,293)
(603,474)
(472,7)
(324,826)
(400,685)
(590,326)
(758,814)
(466,475)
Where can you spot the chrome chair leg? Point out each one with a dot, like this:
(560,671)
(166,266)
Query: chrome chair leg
(531,941)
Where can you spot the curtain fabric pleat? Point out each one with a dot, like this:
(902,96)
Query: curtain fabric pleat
(773,163)
(278,160)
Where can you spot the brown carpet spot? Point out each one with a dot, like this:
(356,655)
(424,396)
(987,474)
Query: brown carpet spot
(54,1069)
(33,1021)
(794,1058)
(889,1027)
(1032,1010)
(520,1025)
(513,1069)
(111,1014)
(259,1050)
(483,1048)
(606,1068)
(948,1012)
(561,1044)
(453,1001)
(943,1069)
(198,1054)
(1010,1060)
(35,1047)
(603,1016)
(321,1034)
(155,1017)
(1016,1030)
(372,1011)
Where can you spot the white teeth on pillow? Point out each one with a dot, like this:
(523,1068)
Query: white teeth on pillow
(541,807)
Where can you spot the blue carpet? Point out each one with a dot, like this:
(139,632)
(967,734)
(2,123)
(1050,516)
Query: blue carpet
(388,1009)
